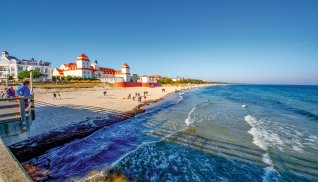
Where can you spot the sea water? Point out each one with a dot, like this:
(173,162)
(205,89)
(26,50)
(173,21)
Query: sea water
(219,133)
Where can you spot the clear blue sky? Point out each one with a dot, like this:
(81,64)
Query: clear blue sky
(270,41)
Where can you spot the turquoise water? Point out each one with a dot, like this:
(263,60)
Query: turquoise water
(220,133)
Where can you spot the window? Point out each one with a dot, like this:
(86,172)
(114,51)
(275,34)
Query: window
(4,68)
(12,69)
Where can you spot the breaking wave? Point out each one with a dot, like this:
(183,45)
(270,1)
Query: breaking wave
(189,119)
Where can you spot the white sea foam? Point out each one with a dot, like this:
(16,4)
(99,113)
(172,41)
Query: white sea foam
(263,136)
(180,98)
(297,149)
(145,144)
(267,159)
(256,132)
(268,171)
(189,119)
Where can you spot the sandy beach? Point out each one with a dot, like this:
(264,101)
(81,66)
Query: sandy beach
(81,104)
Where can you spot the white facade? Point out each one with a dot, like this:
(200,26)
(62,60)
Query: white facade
(12,66)
(79,69)
(82,68)
(147,79)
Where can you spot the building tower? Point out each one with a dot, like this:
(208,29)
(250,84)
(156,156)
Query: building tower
(125,70)
(4,54)
(95,65)
(83,65)
(83,61)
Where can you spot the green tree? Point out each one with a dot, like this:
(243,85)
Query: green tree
(166,80)
(68,78)
(26,74)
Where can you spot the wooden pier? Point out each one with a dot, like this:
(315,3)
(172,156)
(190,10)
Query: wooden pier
(15,120)
(15,117)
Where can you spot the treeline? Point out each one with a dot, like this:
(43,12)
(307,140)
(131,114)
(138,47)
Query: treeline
(192,81)
(166,80)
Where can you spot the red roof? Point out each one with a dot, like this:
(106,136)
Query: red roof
(125,65)
(61,72)
(155,76)
(107,70)
(118,72)
(70,66)
(83,57)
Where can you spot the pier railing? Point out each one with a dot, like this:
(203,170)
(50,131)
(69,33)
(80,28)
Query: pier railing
(15,116)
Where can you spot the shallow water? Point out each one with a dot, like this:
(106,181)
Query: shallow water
(204,135)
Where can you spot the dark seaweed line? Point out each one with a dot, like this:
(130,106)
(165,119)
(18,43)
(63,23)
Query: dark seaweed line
(40,144)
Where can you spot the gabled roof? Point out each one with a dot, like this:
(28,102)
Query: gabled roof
(83,57)
(61,72)
(71,65)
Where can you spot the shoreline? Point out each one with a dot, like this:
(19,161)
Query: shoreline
(39,144)
(35,146)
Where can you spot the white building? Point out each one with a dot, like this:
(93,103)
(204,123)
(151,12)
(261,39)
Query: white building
(10,65)
(176,79)
(79,69)
(82,68)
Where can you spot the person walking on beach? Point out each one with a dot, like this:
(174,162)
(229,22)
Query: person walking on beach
(145,98)
(139,99)
(129,96)
(133,98)
(54,95)
(24,91)
(105,92)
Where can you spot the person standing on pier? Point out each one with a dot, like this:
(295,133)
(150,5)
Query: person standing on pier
(24,91)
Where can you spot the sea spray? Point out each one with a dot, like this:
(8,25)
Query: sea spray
(258,138)
(267,160)
(180,97)
(189,120)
